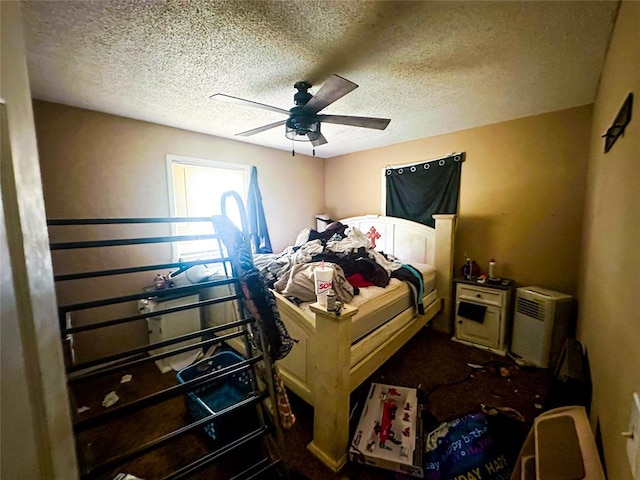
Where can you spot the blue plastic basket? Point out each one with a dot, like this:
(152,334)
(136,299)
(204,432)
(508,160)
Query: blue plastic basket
(214,396)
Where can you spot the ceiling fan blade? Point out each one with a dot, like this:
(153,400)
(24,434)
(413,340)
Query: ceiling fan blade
(263,128)
(365,122)
(333,89)
(318,141)
(248,103)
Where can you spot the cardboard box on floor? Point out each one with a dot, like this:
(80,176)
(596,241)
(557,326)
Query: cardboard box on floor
(389,433)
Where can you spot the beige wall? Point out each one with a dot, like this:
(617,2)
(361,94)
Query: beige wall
(521,193)
(116,167)
(99,165)
(609,322)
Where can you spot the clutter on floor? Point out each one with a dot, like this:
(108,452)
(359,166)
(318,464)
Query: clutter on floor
(465,447)
(389,433)
(395,434)
(460,381)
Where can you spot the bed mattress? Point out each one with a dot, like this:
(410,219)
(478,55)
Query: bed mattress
(378,305)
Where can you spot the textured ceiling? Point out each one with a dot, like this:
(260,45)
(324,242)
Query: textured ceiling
(431,67)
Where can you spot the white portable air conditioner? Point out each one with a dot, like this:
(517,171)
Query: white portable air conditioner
(540,325)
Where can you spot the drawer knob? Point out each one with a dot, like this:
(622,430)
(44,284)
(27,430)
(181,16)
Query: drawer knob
(478,295)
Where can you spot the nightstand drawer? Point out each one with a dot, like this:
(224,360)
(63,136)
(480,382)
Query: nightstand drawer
(479,294)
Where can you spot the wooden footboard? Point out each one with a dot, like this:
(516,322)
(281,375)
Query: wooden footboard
(330,365)
(323,368)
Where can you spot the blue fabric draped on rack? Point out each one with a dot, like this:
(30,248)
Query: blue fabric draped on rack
(257,222)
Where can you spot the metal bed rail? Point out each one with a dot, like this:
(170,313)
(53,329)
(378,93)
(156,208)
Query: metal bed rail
(90,371)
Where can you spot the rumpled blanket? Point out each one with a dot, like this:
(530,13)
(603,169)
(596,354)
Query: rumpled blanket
(300,283)
(290,274)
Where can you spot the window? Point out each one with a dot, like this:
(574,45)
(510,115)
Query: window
(196,186)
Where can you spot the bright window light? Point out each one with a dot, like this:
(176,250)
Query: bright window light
(197,186)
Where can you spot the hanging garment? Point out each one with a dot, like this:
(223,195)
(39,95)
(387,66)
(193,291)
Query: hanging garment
(258,232)
(287,418)
(257,298)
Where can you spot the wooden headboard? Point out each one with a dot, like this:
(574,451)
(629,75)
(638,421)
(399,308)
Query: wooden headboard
(417,243)
(409,241)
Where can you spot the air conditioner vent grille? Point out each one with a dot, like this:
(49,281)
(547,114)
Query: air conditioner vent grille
(531,308)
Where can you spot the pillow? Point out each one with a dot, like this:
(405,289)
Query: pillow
(302,237)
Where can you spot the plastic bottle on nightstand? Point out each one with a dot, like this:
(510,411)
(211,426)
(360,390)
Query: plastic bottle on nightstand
(468,270)
(492,264)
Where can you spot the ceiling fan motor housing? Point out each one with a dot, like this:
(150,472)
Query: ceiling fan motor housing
(301,126)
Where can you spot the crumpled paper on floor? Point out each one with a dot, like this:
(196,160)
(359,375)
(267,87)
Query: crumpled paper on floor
(110,399)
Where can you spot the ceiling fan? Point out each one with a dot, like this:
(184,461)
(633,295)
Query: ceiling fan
(303,122)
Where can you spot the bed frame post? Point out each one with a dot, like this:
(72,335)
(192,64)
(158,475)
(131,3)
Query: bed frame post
(331,386)
(445,232)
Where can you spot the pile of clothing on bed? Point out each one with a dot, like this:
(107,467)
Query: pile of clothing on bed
(345,249)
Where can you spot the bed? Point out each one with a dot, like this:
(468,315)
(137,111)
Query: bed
(334,354)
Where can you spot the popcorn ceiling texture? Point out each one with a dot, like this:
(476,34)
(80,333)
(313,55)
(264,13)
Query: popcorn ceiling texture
(432,67)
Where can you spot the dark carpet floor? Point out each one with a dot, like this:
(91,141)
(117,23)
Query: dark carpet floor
(440,367)
(456,379)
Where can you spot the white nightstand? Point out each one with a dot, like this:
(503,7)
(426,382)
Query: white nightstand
(482,315)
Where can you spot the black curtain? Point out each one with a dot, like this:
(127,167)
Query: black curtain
(416,192)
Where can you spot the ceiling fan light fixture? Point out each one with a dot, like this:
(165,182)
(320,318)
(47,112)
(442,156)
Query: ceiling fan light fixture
(303,133)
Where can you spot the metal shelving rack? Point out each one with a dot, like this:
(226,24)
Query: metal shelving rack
(82,375)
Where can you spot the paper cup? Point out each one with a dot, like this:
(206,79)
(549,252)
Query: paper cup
(324,282)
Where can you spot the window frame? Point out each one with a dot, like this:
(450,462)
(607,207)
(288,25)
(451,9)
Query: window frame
(172,159)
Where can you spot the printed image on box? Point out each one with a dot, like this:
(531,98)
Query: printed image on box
(386,433)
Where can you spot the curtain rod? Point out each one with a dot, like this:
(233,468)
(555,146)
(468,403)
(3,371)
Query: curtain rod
(425,161)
